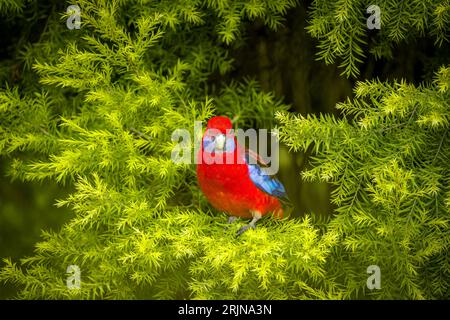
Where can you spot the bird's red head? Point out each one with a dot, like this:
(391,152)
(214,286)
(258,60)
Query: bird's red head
(220,123)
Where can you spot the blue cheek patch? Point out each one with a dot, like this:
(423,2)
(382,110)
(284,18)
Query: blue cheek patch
(230,146)
(208,144)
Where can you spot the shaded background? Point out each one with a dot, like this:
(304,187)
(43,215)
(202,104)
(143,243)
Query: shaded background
(283,62)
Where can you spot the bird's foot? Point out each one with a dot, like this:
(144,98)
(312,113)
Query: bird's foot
(245,228)
(256,216)
(230,220)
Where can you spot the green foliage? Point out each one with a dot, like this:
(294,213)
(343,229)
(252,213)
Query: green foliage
(341,28)
(95,108)
(11,6)
(390,167)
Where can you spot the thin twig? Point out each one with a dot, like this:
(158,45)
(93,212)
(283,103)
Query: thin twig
(139,133)
(440,145)
(44,131)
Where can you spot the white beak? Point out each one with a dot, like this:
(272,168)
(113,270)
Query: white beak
(220,141)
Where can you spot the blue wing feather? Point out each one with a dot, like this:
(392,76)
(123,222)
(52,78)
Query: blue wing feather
(264,181)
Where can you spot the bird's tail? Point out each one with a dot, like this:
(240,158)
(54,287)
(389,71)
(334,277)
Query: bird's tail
(284,208)
(278,213)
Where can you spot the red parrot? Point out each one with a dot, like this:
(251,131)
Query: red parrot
(239,188)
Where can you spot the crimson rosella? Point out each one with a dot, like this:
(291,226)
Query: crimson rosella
(239,188)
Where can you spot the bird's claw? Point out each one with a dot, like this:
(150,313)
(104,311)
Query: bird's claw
(245,228)
(230,220)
